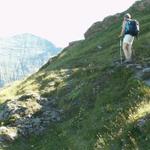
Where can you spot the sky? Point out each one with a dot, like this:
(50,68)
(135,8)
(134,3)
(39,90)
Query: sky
(59,21)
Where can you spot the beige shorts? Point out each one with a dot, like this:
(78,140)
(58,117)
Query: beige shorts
(128,39)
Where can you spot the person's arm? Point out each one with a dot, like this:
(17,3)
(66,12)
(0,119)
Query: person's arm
(123,29)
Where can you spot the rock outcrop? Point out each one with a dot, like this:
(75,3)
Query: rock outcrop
(140,6)
(26,115)
(101,25)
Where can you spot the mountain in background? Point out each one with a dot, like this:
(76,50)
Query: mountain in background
(22,55)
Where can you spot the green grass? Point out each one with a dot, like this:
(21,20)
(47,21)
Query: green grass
(102,103)
(108,123)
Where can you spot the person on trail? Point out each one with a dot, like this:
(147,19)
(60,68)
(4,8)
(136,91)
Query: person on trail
(127,40)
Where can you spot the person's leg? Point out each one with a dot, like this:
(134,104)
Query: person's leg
(130,51)
(126,50)
(127,45)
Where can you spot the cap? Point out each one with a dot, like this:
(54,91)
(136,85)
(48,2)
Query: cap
(127,15)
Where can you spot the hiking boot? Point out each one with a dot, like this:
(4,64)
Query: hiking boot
(127,61)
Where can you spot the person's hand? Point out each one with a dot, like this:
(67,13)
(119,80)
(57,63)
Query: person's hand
(120,36)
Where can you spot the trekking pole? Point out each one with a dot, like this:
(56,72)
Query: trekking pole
(120,51)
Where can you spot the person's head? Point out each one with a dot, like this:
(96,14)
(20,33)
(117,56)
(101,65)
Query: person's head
(127,16)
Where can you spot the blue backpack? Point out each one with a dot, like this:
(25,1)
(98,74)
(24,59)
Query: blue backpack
(132,27)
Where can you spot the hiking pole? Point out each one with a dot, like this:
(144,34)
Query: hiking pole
(120,51)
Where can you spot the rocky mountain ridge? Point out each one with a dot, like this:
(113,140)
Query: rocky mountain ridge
(105,24)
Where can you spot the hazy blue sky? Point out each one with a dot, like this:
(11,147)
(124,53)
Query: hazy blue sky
(60,21)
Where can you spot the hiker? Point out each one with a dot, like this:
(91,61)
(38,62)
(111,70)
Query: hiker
(127,39)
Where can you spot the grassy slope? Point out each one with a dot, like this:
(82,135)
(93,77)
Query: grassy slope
(102,103)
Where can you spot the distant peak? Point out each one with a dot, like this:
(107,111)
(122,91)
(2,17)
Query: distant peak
(26,35)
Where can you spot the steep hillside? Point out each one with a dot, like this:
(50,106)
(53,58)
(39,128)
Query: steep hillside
(93,102)
(22,55)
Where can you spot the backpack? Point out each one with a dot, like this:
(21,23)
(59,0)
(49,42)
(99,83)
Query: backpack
(132,27)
